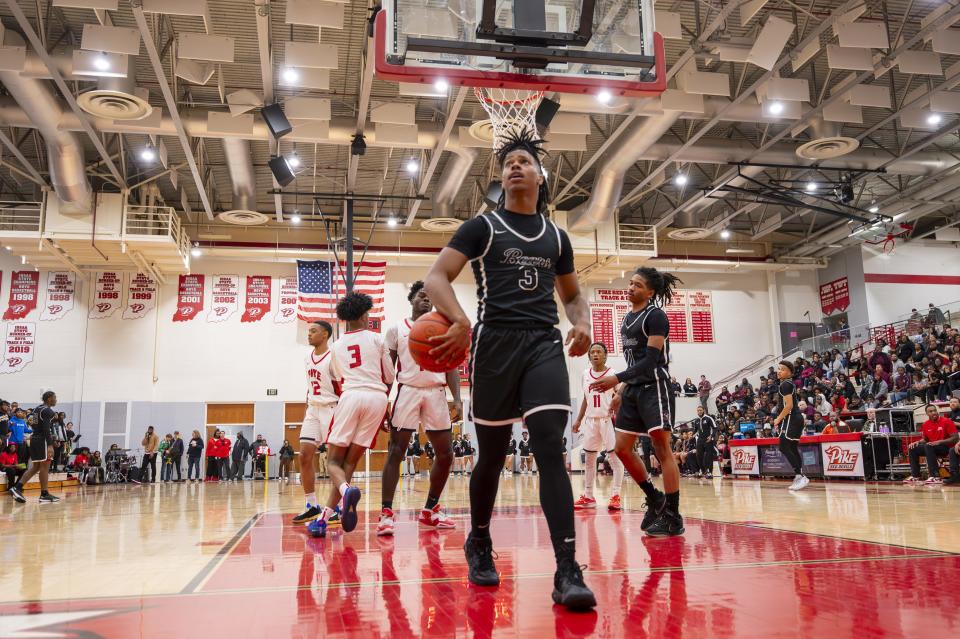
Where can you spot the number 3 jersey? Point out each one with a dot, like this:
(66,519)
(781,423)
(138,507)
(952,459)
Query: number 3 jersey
(361,360)
(322,388)
(516,259)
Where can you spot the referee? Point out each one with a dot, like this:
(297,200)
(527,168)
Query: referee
(705,430)
(519,259)
(41,451)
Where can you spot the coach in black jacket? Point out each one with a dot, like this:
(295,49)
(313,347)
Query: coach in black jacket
(705,430)
(241,450)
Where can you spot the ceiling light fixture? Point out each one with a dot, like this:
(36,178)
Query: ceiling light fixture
(195,251)
(680,179)
(441,85)
(391,221)
(725,234)
(604,97)
(148,154)
(811,187)
(101,62)
(294,219)
(290,75)
(412,166)
(934,119)
(293,161)
(874,209)
(775,108)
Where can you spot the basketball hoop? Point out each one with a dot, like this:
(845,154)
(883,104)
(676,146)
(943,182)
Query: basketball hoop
(510,110)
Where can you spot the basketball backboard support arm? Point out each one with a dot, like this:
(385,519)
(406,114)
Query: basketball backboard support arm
(530,24)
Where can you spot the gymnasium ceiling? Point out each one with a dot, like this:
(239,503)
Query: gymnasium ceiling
(921,195)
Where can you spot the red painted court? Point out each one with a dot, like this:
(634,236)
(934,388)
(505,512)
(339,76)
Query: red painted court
(719,580)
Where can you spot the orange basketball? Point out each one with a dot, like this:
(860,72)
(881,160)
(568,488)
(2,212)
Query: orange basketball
(430,325)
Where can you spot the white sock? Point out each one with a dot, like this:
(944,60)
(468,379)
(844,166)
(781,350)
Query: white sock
(325,515)
(311,499)
(590,474)
(343,488)
(617,467)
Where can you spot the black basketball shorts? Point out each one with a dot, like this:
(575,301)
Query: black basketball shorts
(792,426)
(515,372)
(39,451)
(645,408)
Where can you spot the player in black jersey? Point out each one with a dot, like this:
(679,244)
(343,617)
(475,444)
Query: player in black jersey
(790,420)
(41,451)
(518,370)
(705,430)
(646,401)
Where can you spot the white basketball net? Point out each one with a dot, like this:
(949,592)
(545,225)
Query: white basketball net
(511,111)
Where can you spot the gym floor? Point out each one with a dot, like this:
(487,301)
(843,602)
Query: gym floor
(838,559)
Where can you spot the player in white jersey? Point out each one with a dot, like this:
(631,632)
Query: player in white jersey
(323,391)
(598,433)
(362,363)
(421,401)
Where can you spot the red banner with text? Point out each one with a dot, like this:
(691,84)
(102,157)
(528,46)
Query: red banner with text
(259,288)
(189,298)
(835,296)
(604,329)
(701,316)
(24,290)
(676,310)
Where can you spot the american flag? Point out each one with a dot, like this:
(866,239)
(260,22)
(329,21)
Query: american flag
(320,287)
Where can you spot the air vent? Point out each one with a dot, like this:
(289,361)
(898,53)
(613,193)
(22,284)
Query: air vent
(482,131)
(827,148)
(114,105)
(243,218)
(441,224)
(689,233)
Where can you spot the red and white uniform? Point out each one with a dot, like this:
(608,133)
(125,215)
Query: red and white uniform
(323,391)
(362,362)
(597,427)
(421,395)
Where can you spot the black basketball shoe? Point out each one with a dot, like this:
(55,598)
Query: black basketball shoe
(479,553)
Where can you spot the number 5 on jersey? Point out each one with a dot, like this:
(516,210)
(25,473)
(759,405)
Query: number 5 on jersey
(529,278)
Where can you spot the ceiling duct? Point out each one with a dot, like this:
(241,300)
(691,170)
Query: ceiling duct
(453,176)
(64,149)
(826,142)
(608,182)
(244,180)
(687,229)
(117,98)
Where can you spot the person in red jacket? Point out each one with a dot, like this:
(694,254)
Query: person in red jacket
(213,457)
(939,435)
(224,455)
(10,464)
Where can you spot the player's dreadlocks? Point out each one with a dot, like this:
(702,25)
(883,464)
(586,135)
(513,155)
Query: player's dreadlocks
(353,305)
(528,141)
(415,288)
(661,283)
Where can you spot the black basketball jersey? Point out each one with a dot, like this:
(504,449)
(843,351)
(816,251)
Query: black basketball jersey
(787,387)
(634,332)
(515,273)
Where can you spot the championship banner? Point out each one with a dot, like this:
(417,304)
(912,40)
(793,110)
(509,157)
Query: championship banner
(225,297)
(258,298)
(106,296)
(620,312)
(701,316)
(24,290)
(141,297)
(610,295)
(61,293)
(676,310)
(189,298)
(18,346)
(835,296)
(287,305)
(602,324)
